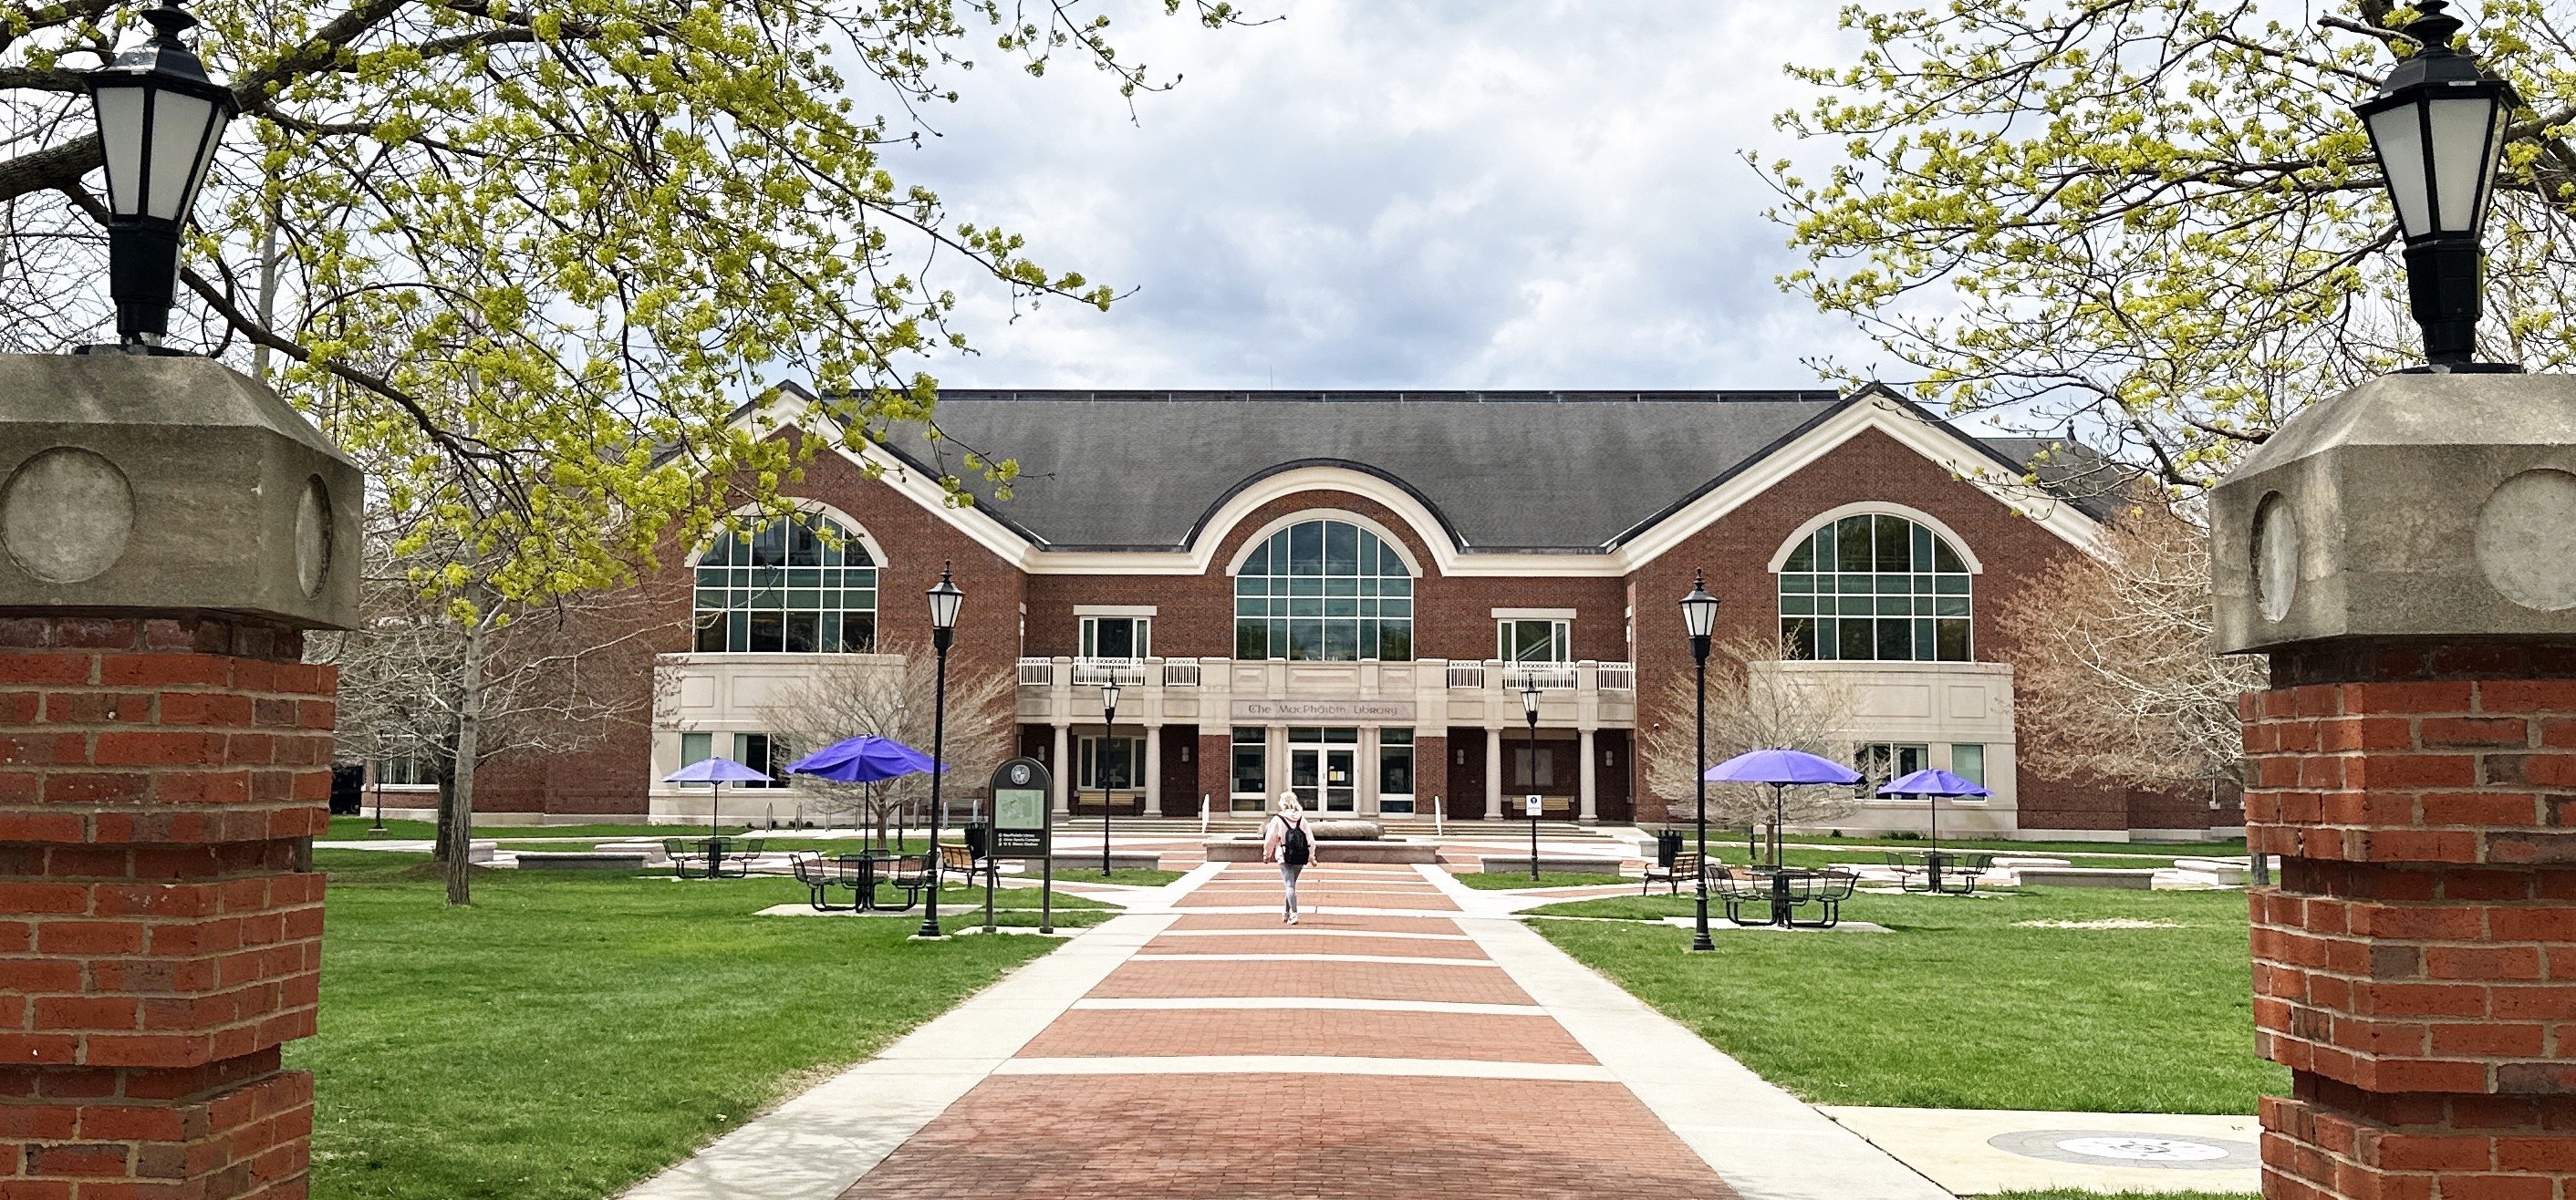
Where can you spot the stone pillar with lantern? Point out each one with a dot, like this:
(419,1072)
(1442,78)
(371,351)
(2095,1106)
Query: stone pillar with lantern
(171,529)
(2405,554)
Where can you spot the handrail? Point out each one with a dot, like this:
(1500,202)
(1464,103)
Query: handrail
(1037,672)
(1550,677)
(1618,677)
(1181,673)
(1467,675)
(1092,672)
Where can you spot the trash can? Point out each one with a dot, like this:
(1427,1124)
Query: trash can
(348,788)
(1667,844)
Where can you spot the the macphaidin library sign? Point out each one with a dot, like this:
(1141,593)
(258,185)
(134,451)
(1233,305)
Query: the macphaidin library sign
(1394,712)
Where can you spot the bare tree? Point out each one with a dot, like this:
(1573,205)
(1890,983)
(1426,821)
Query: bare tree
(2115,663)
(1756,701)
(890,695)
(458,680)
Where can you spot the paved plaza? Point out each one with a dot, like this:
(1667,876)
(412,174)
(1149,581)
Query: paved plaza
(1407,1039)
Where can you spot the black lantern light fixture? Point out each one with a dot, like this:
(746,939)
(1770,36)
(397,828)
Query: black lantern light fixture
(945,600)
(2438,126)
(1100,758)
(159,121)
(1699,617)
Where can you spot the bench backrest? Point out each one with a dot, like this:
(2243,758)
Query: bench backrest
(958,858)
(1686,862)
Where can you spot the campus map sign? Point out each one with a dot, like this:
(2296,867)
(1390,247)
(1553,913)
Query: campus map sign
(1020,809)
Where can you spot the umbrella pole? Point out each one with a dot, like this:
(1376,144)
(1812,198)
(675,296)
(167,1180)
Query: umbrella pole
(1779,816)
(715,804)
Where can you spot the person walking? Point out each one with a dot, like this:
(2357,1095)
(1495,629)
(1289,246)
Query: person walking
(1287,842)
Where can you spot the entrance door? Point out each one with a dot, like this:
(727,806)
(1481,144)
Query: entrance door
(1326,778)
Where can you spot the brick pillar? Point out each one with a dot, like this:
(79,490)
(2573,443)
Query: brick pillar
(160,922)
(1430,768)
(2415,966)
(1216,769)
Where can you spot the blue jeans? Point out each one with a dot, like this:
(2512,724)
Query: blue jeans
(1288,876)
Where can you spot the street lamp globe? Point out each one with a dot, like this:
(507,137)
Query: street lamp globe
(2438,126)
(945,600)
(1529,692)
(1699,613)
(159,121)
(1109,692)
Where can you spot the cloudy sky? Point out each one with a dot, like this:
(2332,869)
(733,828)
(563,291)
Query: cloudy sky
(1454,194)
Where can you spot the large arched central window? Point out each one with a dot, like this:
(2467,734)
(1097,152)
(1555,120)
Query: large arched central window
(796,585)
(1875,586)
(1325,590)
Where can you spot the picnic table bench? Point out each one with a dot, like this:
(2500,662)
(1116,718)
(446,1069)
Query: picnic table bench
(862,874)
(1950,872)
(1780,892)
(713,857)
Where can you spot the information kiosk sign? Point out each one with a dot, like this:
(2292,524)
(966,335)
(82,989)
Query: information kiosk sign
(1023,828)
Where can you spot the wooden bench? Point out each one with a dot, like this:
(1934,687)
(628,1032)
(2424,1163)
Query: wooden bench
(960,861)
(1686,865)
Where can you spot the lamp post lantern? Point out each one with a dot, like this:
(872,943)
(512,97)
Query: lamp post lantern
(1100,761)
(1529,708)
(2438,126)
(159,121)
(1699,616)
(945,600)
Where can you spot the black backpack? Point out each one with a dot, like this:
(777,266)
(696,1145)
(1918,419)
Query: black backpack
(1292,848)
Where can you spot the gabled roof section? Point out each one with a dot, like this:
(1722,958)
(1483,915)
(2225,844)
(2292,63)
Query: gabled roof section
(1496,482)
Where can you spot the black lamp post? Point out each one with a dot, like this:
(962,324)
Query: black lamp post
(945,600)
(1100,761)
(2438,126)
(159,120)
(1529,708)
(1699,616)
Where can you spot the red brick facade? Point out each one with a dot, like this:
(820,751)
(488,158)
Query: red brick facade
(160,925)
(1010,614)
(2415,967)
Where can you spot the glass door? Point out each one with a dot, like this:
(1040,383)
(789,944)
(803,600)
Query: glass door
(1326,778)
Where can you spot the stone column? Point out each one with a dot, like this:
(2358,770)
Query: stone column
(171,528)
(1153,771)
(1588,796)
(1493,773)
(2406,555)
(1061,769)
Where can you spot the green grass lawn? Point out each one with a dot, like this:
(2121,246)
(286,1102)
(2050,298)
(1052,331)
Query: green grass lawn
(569,1035)
(1959,1007)
(1136,877)
(2165,850)
(1507,880)
(361,828)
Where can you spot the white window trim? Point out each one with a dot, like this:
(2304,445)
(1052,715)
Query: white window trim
(1780,558)
(1533,614)
(1261,537)
(1112,610)
(807,507)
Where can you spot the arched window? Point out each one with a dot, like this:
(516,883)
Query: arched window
(1875,586)
(1326,590)
(795,585)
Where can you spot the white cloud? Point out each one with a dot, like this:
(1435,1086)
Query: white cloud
(1516,193)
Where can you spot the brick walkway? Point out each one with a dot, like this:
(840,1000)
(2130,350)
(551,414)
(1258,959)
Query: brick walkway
(1394,1059)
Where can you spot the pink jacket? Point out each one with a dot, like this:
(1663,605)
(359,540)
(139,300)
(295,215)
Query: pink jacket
(1276,832)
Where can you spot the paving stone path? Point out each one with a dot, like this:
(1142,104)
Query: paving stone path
(1363,1052)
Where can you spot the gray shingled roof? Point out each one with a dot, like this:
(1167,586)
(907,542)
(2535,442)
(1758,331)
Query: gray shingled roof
(1546,471)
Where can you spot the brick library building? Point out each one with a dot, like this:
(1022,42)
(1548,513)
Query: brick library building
(1346,594)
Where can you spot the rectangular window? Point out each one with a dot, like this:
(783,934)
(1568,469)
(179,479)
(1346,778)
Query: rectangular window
(1118,637)
(1250,748)
(1116,763)
(1883,761)
(1531,777)
(406,769)
(1395,770)
(1538,641)
(764,754)
(696,748)
(1968,761)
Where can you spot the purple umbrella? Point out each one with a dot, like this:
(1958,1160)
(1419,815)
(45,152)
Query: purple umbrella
(1932,784)
(1781,768)
(866,758)
(714,772)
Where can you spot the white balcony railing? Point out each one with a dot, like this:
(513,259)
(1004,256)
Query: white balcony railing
(1467,675)
(1618,677)
(1180,674)
(1037,672)
(1550,677)
(1092,672)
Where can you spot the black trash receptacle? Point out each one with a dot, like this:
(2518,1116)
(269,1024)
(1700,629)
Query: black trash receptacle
(977,838)
(1667,844)
(348,787)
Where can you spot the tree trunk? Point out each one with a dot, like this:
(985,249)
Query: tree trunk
(445,835)
(469,728)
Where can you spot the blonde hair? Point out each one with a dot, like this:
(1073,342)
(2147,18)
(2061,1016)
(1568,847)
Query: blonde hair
(1288,806)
